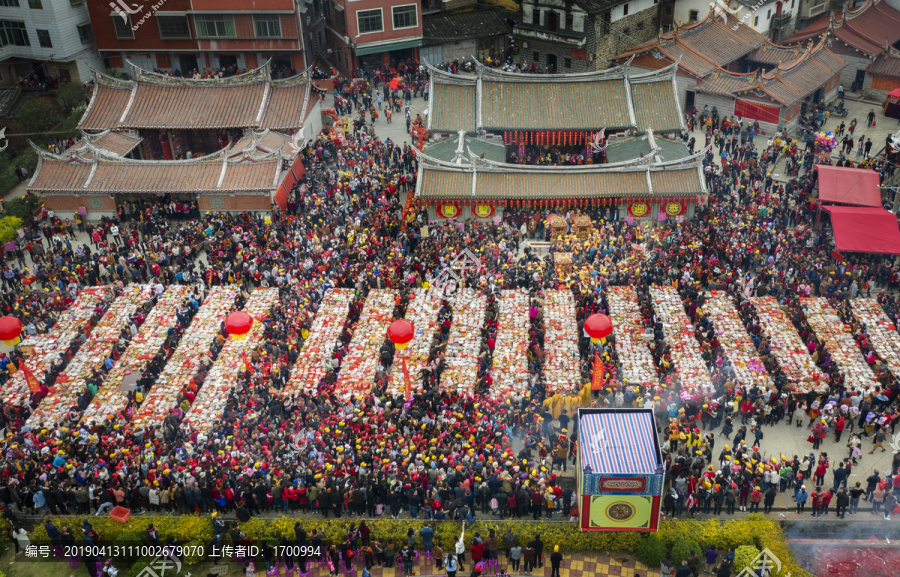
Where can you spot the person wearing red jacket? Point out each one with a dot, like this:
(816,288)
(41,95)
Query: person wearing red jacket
(839,428)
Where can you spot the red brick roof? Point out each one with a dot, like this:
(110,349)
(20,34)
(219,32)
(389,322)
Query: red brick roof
(208,174)
(785,83)
(887,64)
(117,143)
(865,28)
(250,100)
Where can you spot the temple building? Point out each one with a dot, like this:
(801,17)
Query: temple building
(608,138)
(225,144)
(724,64)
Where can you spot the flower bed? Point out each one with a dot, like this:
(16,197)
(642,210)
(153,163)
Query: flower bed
(70,323)
(91,355)
(464,342)
(511,348)
(358,367)
(319,345)
(635,359)
(145,345)
(792,354)
(735,342)
(222,378)
(561,371)
(185,361)
(422,312)
(679,333)
(882,333)
(829,327)
(709,534)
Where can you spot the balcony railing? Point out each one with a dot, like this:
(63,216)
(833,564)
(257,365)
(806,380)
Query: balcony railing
(780,22)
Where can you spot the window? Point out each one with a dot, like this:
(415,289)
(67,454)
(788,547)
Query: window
(405,16)
(769,14)
(86,33)
(369,21)
(13,33)
(756,21)
(35,4)
(668,10)
(173,26)
(10,3)
(625,10)
(44,39)
(75,2)
(215,26)
(640,25)
(567,62)
(570,22)
(692,15)
(123,26)
(267,26)
(536,56)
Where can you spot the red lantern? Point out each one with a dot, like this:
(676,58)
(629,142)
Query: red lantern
(10,329)
(400,332)
(238,325)
(598,327)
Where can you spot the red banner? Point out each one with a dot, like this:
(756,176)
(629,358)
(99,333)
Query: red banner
(448,210)
(675,208)
(757,111)
(33,385)
(482,210)
(247,363)
(639,209)
(597,376)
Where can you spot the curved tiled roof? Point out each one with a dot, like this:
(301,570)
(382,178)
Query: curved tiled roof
(208,174)
(866,28)
(157,101)
(494,100)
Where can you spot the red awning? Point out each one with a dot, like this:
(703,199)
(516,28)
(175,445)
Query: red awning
(864,229)
(856,186)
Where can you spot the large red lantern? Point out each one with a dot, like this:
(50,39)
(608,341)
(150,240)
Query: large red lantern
(10,329)
(238,324)
(400,332)
(598,327)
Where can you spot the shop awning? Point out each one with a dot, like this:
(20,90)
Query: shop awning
(864,229)
(855,186)
(387,47)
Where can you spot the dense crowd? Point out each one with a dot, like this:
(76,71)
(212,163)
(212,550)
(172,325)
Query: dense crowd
(446,454)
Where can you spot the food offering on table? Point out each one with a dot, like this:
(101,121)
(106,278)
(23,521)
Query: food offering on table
(787,346)
(679,333)
(186,361)
(63,397)
(223,377)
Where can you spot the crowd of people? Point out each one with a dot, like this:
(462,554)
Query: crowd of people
(444,454)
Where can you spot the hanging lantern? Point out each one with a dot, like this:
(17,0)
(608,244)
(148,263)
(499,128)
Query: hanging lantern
(400,332)
(10,329)
(598,327)
(238,324)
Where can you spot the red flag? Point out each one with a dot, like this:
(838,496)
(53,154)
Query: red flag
(33,385)
(597,377)
(407,385)
(247,364)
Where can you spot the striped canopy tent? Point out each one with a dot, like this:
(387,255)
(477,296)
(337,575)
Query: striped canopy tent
(620,470)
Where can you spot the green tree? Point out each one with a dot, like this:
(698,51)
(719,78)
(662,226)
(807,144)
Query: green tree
(683,548)
(39,115)
(651,551)
(71,95)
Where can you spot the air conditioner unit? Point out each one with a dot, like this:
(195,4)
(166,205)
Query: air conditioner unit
(812,11)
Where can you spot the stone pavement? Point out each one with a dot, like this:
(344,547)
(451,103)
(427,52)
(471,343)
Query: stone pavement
(574,565)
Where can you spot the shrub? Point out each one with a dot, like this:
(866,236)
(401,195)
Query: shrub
(651,551)
(22,207)
(683,549)
(9,228)
(744,557)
